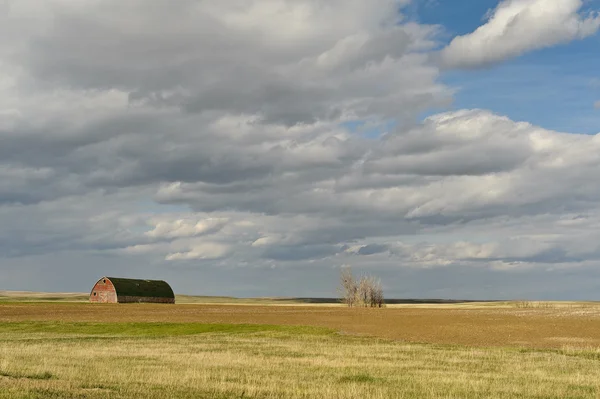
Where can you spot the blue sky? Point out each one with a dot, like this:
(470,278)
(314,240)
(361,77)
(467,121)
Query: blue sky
(457,17)
(552,88)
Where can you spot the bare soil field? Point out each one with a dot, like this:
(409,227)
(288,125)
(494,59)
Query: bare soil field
(540,328)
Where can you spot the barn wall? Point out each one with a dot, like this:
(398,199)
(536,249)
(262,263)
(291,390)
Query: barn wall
(105,292)
(138,299)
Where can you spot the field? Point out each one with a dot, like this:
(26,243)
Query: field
(502,350)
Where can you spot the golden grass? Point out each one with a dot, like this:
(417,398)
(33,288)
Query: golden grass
(281,364)
(27,296)
(92,351)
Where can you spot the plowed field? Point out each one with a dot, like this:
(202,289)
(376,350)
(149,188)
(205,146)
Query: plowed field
(533,328)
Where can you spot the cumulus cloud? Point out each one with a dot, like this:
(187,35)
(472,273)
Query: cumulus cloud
(201,251)
(184,228)
(224,95)
(518,26)
(281,60)
(464,164)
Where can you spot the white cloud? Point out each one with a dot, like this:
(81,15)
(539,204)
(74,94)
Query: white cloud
(266,241)
(518,26)
(283,61)
(201,251)
(145,249)
(185,228)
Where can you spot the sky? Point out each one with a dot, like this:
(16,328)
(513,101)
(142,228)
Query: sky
(256,147)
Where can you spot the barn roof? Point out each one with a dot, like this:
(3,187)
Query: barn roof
(143,288)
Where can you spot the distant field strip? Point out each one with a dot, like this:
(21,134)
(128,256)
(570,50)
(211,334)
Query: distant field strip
(517,327)
(78,360)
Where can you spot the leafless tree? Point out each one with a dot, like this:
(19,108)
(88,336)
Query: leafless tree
(348,286)
(366,292)
(376,298)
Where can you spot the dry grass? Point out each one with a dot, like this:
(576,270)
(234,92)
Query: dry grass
(517,327)
(76,361)
(91,351)
(27,296)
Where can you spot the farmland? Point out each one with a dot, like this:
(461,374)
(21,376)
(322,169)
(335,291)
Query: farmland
(78,350)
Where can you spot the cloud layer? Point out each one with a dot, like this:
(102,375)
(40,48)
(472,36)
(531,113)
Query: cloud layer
(222,136)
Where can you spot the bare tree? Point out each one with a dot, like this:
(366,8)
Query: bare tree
(376,297)
(348,286)
(366,292)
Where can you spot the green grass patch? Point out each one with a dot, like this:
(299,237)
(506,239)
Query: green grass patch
(151,329)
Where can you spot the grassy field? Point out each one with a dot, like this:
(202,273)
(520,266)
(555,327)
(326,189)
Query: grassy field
(26,296)
(79,350)
(189,360)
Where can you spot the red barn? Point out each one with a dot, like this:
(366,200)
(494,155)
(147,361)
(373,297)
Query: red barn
(125,290)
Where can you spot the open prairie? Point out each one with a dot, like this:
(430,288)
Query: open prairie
(79,350)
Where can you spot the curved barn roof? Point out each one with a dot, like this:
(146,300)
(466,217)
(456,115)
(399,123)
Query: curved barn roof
(143,288)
